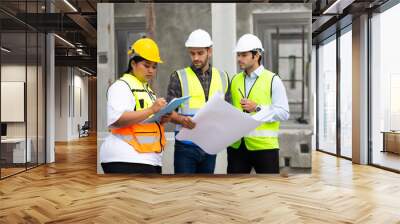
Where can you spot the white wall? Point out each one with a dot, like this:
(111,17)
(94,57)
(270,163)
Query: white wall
(61,103)
(12,73)
(33,126)
(70,84)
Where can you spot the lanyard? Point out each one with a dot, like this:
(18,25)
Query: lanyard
(251,88)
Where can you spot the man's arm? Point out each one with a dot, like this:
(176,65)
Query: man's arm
(174,87)
(175,91)
(279,109)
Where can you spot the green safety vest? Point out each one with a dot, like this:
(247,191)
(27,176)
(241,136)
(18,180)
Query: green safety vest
(264,136)
(191,86)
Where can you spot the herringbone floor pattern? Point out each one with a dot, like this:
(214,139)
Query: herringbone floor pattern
(70,191)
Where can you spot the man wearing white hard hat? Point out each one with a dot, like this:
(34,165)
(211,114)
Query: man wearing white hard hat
(255,89)
(201,81)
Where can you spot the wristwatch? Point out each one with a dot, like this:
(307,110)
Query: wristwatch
(258,108)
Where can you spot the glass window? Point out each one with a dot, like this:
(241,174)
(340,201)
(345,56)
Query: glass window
(385,84)
(327,96)
(22,92)
(14,153)
(346,93)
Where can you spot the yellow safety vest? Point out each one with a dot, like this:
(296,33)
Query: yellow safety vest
(264,136)
(144,137)
(191,86)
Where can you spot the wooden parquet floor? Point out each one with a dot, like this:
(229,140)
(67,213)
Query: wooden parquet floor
(70,191)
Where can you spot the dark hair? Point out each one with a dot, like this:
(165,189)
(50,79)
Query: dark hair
(254,54)
(135,59)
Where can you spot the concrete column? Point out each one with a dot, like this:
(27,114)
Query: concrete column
(50,94)
(105,68)
(224,38)
(360,90)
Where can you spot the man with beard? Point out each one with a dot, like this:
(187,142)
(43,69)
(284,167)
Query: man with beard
(200,81)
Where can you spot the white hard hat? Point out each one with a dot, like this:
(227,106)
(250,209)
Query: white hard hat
(248,42)
(199,38)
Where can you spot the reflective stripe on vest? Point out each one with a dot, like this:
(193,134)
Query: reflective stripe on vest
(143,137)
(140,139)
(266,135)
(263,133)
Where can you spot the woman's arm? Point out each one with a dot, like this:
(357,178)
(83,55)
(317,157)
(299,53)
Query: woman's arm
(133,117)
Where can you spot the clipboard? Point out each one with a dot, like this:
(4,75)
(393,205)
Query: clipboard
(171,106)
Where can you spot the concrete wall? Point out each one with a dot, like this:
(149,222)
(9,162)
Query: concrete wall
(106,68)
(245,12)
(293,136)
(262,19)
(169,36)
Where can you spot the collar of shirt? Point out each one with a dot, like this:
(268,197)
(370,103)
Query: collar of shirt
(256,72)
(199,72)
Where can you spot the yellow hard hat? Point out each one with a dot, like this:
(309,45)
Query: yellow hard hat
(147,49)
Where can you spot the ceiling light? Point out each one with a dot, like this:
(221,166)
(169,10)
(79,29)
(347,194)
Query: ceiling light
(65,41)
(84,71)
(328,10)
(5,49)
(338,6)
(70,5)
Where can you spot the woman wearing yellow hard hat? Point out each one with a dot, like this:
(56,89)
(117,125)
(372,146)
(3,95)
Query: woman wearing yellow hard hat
(134,146)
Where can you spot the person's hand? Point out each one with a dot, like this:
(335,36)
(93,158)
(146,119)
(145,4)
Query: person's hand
(248,105)
(158,105)
(165,119)
(187,122)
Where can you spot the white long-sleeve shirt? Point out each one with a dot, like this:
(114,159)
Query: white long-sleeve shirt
(279,109)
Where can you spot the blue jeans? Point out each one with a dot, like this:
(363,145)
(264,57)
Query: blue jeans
(192,159)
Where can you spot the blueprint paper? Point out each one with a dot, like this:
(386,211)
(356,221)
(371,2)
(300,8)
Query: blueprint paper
(218,125)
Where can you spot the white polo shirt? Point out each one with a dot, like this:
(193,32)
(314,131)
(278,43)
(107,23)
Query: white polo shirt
(119,100)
